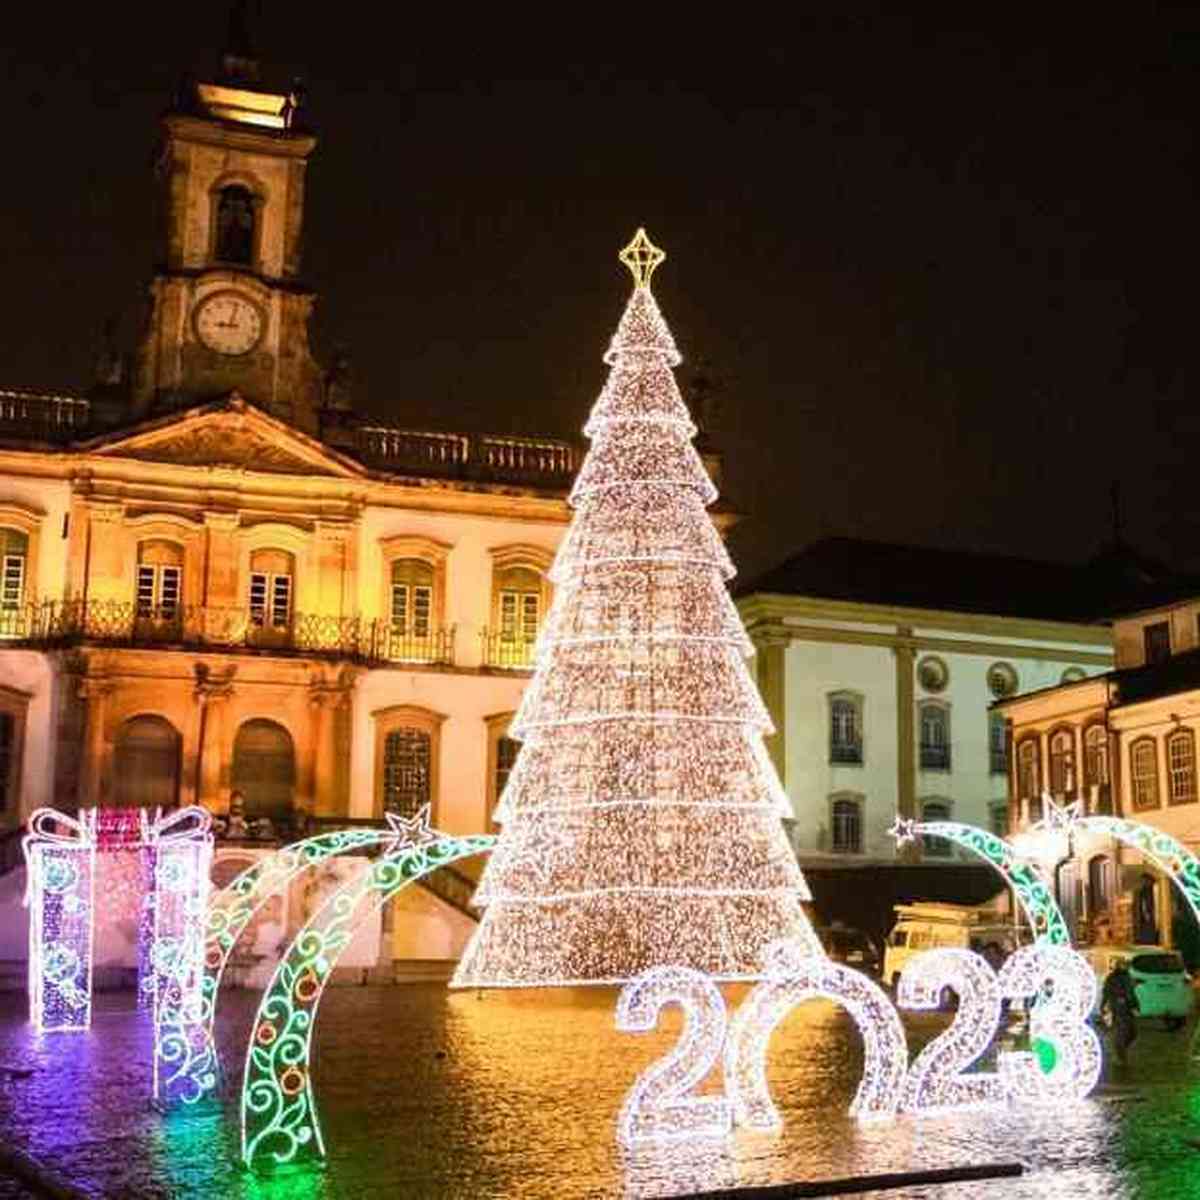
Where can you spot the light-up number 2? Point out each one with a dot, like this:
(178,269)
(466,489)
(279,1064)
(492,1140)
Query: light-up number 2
(658,1106)
(937,1079)
(1058,1021)
(794,976)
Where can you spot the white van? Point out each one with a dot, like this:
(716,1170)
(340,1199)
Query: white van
(1164,988)
(928,926)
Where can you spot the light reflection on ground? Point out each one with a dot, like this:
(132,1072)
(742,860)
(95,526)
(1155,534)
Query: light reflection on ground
(425,1093)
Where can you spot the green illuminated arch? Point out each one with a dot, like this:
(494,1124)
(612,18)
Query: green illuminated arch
(1030,888)
(279,1115)
(187,1064)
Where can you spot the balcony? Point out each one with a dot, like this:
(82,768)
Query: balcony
(124,623)
(507,652)
(934,757)
(42,416)
(846,754)
(432,645)
(486,458)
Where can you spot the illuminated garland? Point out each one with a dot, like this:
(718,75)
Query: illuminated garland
(187,1050)
(641,823)
(1168,854)
(1020,873)
(279,1116)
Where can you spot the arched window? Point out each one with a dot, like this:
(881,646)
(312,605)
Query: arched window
(846,822)
(159,581)
(518,616)
(1181,766)
(146,764)
(1029,782)
(845,729)
(1098,895)
(272,575)
(935,736)
(407,770)
(1143,758)
(936,810)
(14,554)
(1062,762)
(264,770)
(235,221)
(1095,768)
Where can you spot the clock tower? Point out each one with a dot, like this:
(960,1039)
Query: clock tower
(228,307)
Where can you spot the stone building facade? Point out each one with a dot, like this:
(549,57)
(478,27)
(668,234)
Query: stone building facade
(222,584)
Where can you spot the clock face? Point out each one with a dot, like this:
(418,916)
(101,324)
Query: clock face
(229,323)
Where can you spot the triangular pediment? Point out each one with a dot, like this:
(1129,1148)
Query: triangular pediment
(231,434)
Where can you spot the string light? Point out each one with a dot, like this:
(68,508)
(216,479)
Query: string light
(658,1107)
(278,1108)
(641,821)
(792,976)
(937,1080)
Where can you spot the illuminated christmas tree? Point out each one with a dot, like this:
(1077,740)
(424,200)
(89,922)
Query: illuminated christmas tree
(641,824)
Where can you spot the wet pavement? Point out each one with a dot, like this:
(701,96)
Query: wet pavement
(425,1093)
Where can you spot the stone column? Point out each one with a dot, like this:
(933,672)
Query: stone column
(219,586)
(771,643)
(209,779)
(906,739)
(316,779)
(96,768)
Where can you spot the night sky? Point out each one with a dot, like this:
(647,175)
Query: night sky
(945,282)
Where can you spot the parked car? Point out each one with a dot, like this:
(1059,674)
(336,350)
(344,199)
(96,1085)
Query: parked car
(850,946)
(929,926)
(1164,988)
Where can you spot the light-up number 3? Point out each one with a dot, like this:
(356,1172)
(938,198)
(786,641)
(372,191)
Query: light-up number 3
(658,1105)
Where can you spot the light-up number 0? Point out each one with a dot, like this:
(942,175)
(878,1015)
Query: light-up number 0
(794,976)
(658,1106)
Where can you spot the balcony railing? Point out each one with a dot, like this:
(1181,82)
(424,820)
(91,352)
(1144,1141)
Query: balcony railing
(934,757)
(434,645)
(42,415)
(538,462)
(125,623)
(846,753)
(507,651)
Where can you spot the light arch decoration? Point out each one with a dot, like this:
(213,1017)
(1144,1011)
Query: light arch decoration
(1171,857)
(187,1065)
(279,1115)
(1021,873)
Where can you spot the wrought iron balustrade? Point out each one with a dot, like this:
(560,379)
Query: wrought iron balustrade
(432,645)
(508,651)
(540,462)
(846,753)
(128,623)
(42,415)
(934,757)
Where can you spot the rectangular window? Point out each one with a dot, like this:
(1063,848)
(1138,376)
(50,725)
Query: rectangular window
(1157,640)
(412,606)
(158,589)
(270,599)
(934,846)
(12,583)
(935,738)
(997,744)
(1181,756)
(998,814)
(847,827)
(406,771)
(845,731)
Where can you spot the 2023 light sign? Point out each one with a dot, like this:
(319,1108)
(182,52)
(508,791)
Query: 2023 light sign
(1056,980)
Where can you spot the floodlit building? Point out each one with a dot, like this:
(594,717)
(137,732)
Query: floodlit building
(221,585)
(879,664)
(1122,743)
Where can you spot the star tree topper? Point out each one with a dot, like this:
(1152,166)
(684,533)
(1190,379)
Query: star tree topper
(641,256)
(904,829)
